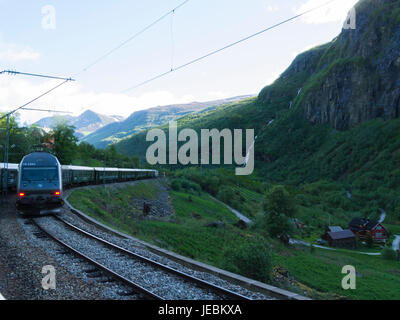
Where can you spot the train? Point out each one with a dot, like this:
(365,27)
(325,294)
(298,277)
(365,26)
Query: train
(40,179)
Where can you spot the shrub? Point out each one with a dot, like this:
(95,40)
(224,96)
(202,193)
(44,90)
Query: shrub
(279,226)
(226,194)
(369,240)
(278,201)
(389,254)
(251,259)
(176,185)
(185,185)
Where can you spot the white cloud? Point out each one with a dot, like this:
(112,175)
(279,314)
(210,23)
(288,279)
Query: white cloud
(11,53)
(71,97)
(334,12)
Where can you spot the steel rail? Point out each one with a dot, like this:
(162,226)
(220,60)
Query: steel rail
(126,281)
(202,283)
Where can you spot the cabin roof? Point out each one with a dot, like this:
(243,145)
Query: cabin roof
(345,234)
(335,229)
(366,224)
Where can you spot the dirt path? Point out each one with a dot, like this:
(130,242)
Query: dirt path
(237,213)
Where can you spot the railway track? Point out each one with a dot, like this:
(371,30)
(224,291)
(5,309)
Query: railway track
(147,294)
(147,290)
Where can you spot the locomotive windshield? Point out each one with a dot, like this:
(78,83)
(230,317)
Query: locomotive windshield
(40,174)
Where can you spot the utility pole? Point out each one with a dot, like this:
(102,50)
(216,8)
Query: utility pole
(5,181)
(104,172)
(5,172)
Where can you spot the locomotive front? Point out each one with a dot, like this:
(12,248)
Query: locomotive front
(39,182)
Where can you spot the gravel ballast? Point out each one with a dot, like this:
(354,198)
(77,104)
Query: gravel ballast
(138,248)
(23,253)
(21,264)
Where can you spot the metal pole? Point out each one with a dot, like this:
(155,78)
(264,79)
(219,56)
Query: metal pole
(5,174)
(104,173)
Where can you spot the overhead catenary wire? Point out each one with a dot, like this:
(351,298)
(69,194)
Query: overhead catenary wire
(110,52)
(227,46)
(172,40)
(12,72)
(46,110)
(33,100)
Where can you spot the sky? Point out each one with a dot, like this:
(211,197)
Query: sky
(62,38)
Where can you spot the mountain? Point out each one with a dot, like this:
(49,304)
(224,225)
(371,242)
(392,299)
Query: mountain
(354,78)
(85,124)
(145,119)
(335,112)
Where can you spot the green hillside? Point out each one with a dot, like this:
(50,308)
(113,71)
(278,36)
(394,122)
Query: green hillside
(145,119)
(303,146)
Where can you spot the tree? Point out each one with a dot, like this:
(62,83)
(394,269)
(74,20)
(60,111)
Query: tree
(397,213)
(20,139)
(279,207)
(369,240)
(278,200)
(65,143)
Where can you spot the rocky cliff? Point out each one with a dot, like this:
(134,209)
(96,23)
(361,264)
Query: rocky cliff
(354,78)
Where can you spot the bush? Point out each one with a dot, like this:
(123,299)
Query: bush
(176,185)
(389,254)
(252,259)
(279,226)
(278,201)
(185,185)
(369,240)
(226,194)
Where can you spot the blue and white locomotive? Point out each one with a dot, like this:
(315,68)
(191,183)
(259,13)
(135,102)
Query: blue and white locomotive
(39,181)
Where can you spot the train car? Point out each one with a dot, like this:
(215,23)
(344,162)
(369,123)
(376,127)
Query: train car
(77,175)
(127,174)
(107,175)
(12,174)
(133,174)
(148,174)
(39,182)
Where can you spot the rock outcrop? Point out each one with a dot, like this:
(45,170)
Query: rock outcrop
(354,78)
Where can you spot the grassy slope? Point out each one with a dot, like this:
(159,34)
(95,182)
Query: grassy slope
(187,235)
(377,279)
(319,165)
(183,234)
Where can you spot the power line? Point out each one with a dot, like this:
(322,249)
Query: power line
(228,46)
(132,37)
(172,40)
(33,100)
(34,75)
(46,110)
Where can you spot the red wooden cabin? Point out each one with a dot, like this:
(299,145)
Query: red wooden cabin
(362,227)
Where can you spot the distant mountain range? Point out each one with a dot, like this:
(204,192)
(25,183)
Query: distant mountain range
(142,120)
(85,124)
